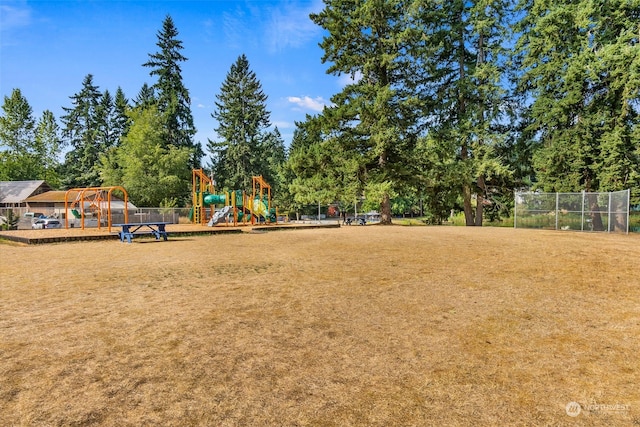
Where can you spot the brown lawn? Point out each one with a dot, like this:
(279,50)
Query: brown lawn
(368,326)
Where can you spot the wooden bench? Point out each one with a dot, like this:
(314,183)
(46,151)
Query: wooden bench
(129,230)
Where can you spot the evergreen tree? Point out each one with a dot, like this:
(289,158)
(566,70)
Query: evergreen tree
(111,120)
(146,97)
(31,150)
(18,159)
(113,125)
(462,51)
(273,157)
(173,99)
(581,68)
(318,170)
(303,136)
(243,119)
(106,134)
(120,120)
(48,143)
(16,123)
(375,116)
(441,182)
(80,130)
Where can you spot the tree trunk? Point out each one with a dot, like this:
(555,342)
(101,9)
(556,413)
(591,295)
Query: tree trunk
(596,218)
(385,210)
(385,205)
(479,211)
(480,201)
(466,192)
(592,202)
(462,109)
(468,209)
(481,185)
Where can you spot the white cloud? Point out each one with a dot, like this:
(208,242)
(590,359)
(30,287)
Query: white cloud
(235,28)
(14,16)
(308,103)
(290,25)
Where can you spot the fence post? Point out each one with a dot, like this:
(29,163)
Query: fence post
(609,214)
(628,208)
(582,213)
(557,207)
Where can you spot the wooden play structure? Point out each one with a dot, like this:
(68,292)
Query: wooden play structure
(236,206)
(94,202)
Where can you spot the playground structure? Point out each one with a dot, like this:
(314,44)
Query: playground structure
(238,207)
(92,201)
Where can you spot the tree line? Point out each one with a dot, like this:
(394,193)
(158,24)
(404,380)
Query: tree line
(454,104)
(451,106)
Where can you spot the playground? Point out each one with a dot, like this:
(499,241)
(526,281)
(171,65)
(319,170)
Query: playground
(350,326)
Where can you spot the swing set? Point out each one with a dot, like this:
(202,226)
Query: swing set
(92,200)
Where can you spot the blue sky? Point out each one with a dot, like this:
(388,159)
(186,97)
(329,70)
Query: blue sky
(48,47)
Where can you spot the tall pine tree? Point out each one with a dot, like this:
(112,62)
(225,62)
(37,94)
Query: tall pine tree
(318,170)
(146,97)
(119,120)
(581,68)
(30,150)
(16,123)
(375,116)
(107,134)
(48,143)
(463,56)
(243,119)
(80,130)
(173,101)
(17,131)
(273,157)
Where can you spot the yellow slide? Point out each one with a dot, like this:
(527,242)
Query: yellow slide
(258,208)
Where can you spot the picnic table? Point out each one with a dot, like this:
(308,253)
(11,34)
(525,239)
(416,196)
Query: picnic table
(129,230)
(360,221)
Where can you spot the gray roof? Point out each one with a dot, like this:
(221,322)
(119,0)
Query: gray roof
(17,191)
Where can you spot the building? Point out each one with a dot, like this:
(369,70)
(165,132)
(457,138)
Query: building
(30,199)
(14,193)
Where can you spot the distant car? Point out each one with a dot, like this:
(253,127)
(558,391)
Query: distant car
(34,215)
(46,223)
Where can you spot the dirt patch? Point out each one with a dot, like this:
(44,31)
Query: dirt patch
(372,326)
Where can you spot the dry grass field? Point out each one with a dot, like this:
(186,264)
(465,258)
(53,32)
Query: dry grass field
(357,326)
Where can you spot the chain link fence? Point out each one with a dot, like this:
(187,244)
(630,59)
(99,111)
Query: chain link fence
(172,215)
(607,212)
(27,216)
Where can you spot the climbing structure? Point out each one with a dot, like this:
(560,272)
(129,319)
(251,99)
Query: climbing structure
(201,186)
(236,207)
